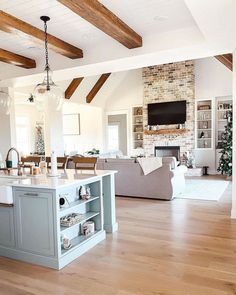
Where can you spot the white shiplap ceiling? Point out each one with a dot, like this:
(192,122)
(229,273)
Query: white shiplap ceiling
(164,25)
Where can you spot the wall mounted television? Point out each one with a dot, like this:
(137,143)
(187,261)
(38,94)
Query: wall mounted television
(167,113)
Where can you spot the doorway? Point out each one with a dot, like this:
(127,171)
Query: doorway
(117,133)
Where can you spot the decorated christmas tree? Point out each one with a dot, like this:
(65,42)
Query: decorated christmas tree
(225,163)
(39,144)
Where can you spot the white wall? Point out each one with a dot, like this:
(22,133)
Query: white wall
(127,93)
(91,127)
(7,130)
(212,80)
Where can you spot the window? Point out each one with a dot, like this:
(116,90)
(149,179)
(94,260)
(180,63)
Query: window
(23,134)
(71,132)
(113,137)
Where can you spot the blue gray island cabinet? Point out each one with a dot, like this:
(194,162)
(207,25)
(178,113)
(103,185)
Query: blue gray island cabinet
(31,229)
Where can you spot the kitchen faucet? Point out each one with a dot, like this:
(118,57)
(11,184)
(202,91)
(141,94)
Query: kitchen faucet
(19,173)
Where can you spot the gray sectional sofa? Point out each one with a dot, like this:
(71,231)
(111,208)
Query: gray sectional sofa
(164,183)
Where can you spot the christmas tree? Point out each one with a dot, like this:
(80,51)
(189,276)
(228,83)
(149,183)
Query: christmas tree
(225,163)
(39,144)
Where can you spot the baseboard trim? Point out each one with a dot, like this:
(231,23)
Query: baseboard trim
(233,214)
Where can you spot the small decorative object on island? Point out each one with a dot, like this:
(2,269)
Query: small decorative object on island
(63,201)
(88,228)
(225,163)
(84,192)
(66,244)
(43,167)
(36,171)
(54,172)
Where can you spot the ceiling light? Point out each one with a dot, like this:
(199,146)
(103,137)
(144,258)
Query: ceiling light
(47,92)
(160,18)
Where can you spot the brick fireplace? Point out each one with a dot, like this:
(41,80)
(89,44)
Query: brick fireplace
(170,82)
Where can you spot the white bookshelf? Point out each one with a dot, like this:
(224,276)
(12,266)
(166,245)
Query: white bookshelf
(204,131)
(137,127)
(223,106)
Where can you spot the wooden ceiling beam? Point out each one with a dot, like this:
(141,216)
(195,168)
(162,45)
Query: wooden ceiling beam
(97,87)
(16,59)
(72,87)
(226,59)
(102,18)
(9,23)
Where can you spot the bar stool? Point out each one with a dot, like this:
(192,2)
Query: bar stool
(85,163)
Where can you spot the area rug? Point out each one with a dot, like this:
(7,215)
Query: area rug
(204,189)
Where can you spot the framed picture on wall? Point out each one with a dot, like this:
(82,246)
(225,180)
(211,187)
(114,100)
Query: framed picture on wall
(71,124)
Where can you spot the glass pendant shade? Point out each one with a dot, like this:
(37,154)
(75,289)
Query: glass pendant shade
(5,103)
(47,94)
(53,98)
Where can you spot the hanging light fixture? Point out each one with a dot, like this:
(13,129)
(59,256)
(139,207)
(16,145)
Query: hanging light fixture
(47,92)
(5,102)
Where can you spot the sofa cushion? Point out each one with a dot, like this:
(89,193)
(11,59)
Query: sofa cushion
(170,161)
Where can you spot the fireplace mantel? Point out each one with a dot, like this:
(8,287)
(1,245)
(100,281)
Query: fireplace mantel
(166,131)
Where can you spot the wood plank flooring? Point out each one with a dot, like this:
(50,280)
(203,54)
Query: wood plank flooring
(162,248)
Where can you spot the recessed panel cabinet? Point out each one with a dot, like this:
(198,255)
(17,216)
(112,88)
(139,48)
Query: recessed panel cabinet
(34,222)
(7,235)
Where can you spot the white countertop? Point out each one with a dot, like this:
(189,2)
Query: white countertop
(67,178)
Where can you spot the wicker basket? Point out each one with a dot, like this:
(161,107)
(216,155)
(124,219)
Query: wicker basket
(71,219)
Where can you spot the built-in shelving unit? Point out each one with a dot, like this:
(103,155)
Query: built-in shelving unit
(137,116)
(204,125)
(222,108)
(90,210)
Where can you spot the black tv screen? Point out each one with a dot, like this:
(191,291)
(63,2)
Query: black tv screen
(167,113)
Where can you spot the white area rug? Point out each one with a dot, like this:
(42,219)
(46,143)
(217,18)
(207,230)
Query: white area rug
(204,189)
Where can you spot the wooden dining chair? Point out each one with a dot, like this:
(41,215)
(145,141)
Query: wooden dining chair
(85,163)
(26,162)
(61,162)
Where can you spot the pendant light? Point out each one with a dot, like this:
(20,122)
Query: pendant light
(47,92)
(5,102)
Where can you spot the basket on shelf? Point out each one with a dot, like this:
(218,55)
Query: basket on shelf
(71,219)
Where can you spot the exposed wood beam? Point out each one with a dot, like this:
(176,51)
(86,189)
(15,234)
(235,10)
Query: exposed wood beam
(101,17)
(14,25)
(16,59)
(97,87)
(72,87)
(226,59)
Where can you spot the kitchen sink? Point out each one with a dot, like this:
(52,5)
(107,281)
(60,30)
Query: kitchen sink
(6,191)
(6,181)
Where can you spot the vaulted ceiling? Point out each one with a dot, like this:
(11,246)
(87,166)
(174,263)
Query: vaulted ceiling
(165,31)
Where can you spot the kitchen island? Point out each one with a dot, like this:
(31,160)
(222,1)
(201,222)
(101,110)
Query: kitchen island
(31,229)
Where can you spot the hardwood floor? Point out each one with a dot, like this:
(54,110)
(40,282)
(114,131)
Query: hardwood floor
(179,247)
